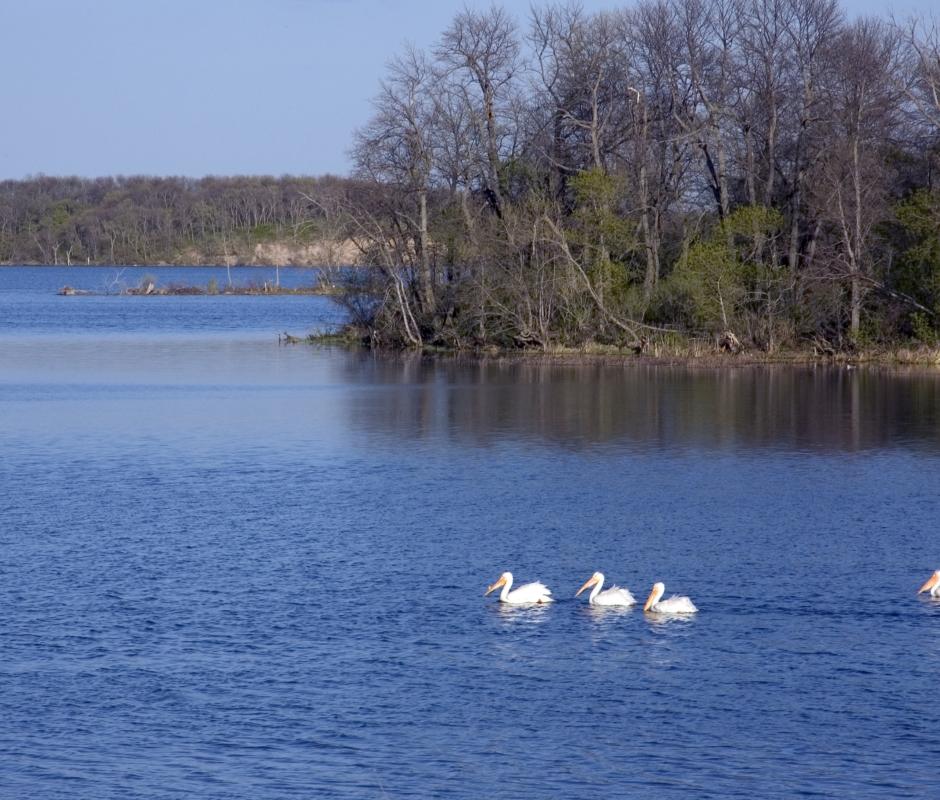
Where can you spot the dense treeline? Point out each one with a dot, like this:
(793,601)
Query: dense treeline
(143,220)
(761,168)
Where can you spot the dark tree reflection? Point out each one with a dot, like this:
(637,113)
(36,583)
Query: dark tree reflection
(804,408)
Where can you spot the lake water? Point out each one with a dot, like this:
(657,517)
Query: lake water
(230,568)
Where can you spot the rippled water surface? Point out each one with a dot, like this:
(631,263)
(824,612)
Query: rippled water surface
(235,569)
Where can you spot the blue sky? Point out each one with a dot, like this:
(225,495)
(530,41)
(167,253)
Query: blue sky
(196,87)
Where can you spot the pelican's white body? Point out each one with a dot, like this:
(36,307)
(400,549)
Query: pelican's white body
(535,592)
(614,596)
(672,605)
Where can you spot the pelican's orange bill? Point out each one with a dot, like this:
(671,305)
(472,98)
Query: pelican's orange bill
(589,582)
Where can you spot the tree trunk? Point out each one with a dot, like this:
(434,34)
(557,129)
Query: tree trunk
(856,314)
(427,283)
(649,240)
(492,151)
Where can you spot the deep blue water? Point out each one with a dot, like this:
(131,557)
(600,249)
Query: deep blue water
(233,569)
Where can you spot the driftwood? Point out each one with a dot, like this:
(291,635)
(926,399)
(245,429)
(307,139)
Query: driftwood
(729,343)
(641,346)
(823,348)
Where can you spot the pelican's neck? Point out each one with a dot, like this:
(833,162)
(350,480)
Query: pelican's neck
(597,588)
(504,594)
(658,593)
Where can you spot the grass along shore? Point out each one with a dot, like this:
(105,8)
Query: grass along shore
(671,350)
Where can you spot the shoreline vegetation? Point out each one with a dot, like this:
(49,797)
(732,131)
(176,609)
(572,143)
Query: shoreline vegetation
(670,351)
(756,177)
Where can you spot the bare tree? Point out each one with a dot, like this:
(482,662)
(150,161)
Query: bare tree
(865,104)
(922,77)
(481,53)
(812,27)
(396,147)
(656,151)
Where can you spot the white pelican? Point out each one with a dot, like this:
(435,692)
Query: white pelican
(674,605)
(614,596)
(932,585)
(527,593)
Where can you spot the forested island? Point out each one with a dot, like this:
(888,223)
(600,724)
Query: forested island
(747,174)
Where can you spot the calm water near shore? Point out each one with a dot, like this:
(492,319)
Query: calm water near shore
(237,569)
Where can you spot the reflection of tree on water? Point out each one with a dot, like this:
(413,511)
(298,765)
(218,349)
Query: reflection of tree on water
(823,408)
